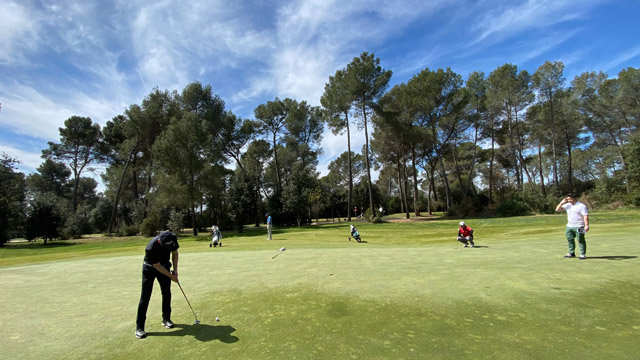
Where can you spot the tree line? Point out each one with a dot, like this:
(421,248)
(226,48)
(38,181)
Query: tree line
(506,143)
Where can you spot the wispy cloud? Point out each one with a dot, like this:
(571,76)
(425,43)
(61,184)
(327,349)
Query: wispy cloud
(621,58)
(506,20)
(544,44)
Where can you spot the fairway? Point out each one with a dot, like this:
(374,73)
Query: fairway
(406,292)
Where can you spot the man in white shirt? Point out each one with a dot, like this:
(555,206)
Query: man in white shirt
(577,224)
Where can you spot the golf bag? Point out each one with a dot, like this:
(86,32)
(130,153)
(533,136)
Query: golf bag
(216,238)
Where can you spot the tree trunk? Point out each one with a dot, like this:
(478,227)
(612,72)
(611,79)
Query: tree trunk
(257,208)
(493,155)
(366,152)
(193,219)
(432,165)
(350,168)
(447,190)
(544,191)
(429,198)
(524,169)
(416,208)
(569,162)
(512,146)
(456,166)
(405,179)
(473,162)
(76,184)
(112,221)
(553,143)
(429,180)
(275,158)
(402,205)
(618,145)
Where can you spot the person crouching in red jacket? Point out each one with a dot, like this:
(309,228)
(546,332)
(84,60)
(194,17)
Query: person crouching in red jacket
(465,235)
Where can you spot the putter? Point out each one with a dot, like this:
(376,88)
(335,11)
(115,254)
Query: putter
(281,250)
(185,297)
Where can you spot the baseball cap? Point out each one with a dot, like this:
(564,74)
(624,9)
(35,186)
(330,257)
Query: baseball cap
(167,238)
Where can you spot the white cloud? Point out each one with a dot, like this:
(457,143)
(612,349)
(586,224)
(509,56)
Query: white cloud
(315,38)
(18,33)
(171,39)
(29,112)
(29,161)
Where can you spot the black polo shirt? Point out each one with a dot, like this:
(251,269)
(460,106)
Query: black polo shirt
(157,253)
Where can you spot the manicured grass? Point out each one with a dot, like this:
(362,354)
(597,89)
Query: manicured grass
(407,292)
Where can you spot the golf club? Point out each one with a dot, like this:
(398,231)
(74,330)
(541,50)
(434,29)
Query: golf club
(280,252)
(185,297)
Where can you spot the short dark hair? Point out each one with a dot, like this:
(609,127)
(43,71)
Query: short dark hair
(573,195)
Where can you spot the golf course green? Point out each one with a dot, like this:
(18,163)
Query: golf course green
(408,291)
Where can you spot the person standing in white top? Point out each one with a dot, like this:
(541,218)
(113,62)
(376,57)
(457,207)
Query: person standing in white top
(577,224)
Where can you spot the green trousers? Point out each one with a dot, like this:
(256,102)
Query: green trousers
(572,233)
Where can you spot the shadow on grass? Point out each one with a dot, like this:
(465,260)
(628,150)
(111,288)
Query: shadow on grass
(202,332)
(33,245)
(615,257)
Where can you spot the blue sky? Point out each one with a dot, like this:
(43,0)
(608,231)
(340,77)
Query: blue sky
(95,58)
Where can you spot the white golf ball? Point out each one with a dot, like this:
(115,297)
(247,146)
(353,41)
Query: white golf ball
(217,318)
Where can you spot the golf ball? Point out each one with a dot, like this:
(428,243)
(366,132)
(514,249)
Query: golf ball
(217,318)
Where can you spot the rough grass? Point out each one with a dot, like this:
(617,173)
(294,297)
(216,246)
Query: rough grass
(407,292)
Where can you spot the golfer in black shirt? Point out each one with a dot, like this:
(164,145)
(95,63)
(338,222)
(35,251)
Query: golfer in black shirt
(157,266)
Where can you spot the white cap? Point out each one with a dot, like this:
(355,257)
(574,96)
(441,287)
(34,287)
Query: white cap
(461,223)
(351,226)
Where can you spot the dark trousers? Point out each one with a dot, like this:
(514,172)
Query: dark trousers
(463,240)
(148,275)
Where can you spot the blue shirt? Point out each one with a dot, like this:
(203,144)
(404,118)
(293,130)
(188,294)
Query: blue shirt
(269,220)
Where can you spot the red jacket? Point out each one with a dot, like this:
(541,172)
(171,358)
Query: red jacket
(465,231)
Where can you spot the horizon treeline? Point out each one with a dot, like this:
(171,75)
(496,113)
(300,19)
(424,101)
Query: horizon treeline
(500,144)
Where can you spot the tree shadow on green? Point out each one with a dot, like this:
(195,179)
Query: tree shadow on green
(202,332)
(37,245)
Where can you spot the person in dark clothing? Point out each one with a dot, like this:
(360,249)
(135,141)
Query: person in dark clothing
(156,265)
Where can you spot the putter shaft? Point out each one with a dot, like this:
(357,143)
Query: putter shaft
(190,307)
